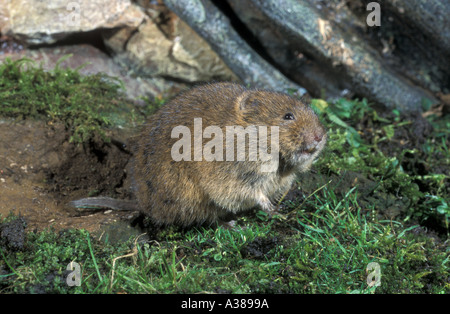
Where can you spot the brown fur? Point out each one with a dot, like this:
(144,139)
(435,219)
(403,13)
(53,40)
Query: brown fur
(196,192)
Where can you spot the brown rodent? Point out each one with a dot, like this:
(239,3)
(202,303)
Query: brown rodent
(199,192)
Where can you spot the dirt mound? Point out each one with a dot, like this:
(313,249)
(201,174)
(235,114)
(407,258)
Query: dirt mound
(41,171)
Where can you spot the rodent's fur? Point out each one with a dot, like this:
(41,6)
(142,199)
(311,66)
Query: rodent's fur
(197,192)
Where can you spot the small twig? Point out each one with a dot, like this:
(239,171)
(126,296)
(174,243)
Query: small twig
(133,253)
(282,198)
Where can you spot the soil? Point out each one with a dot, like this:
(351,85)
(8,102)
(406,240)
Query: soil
(41,172)
(12,234)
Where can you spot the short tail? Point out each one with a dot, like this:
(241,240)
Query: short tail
(105,203)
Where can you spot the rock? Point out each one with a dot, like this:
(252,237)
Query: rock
(45,22)
(431,17)
(133,34)
(3,15)
(210,23)
(319,80)
(327,45)
(180,55)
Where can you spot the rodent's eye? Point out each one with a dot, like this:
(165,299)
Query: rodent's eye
(289,116)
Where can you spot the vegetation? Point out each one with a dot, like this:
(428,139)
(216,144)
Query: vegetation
(324,251)
(86,105)
(408,166)
(379,194)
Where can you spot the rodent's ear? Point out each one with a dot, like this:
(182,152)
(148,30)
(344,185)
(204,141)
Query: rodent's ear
(306,98)
(247,100)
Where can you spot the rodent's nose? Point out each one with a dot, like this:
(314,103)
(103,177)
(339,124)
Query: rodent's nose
(313,145)
(318,137)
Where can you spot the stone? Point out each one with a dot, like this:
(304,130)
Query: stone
(181,55)
(45,22)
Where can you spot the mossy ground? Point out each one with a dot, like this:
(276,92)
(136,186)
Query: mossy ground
(379,193)
(86,105)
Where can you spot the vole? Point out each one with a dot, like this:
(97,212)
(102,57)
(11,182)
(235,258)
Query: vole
(188,171)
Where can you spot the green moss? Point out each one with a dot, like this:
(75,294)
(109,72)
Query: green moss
(86,105)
